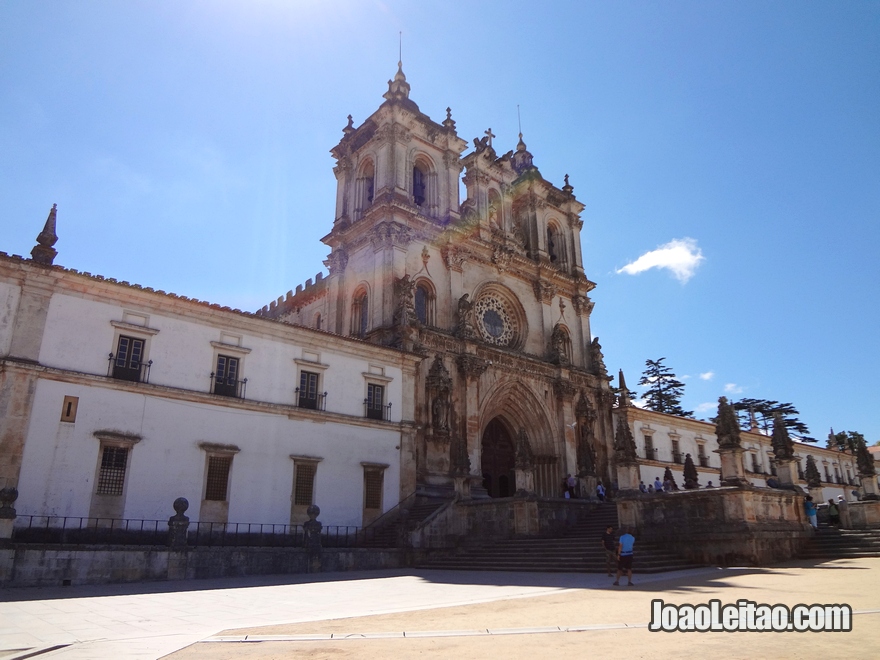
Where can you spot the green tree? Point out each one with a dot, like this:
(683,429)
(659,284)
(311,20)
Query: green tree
(845,441)
(765,410)
(664,389)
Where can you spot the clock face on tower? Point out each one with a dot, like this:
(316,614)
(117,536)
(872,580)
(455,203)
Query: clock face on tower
(495,321)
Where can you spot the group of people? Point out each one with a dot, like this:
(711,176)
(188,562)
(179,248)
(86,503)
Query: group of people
(619,552)
(666,486)
(570,487)
(812,510)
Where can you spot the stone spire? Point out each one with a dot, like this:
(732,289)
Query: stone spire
(43,252)
(522,158)
(726,426)
(623,397)
(398,89)
(783,448)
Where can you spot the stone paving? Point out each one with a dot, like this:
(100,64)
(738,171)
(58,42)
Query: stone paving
(430,613)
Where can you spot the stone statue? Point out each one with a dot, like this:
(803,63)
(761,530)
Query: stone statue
(597,359)
(440,411)
(586,453)
(465,328)
(727,426)
(312,530)
(783,448)
(558,345)
(459,460)
(404,296)
(524,458)
(690,473)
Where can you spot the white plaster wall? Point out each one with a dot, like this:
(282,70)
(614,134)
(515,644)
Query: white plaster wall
(9,296)
(60,459)
(79,336)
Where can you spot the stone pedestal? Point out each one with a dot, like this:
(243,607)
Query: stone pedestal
(588,486)
(627,477)
(525,481)
(462,488)
(733,472)
(786,475)
(6,525)
(818,494)
(869,487)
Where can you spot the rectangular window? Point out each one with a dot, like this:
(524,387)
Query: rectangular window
(218,477)
(308,390)
(676,452)
(373,489)
(68,408)
(304,484)
(111,477)
(649,446)
(128,361)
(755,466)
(226,376)
(375,401)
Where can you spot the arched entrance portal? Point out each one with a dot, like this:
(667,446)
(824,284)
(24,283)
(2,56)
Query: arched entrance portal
(497,460)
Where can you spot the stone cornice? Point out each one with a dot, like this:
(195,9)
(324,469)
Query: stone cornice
(159,303)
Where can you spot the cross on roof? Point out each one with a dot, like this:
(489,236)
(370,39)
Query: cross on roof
(490,135)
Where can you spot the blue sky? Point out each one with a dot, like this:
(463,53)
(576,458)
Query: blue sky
(186,145)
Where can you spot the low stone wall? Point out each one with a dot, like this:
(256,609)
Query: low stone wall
(864,514)
(723,526)
(30,565)
(474,522)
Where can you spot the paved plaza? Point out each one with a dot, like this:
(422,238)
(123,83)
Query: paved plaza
(431,614)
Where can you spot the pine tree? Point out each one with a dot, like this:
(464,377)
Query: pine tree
(691,478)
(765,410)
(664,389)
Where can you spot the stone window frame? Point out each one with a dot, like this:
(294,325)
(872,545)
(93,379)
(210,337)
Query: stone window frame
(675,442)
(363,198)
(426,285)
(230,345)
(312,366)
(213,449)
(109,438)
(648,436)
(137,326)
(298,513)
(372,469)
(359,319)
(68,409)
(376,376)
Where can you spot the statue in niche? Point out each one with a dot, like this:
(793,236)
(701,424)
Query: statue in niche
(586,453)
(493,216)
(558,352)
(465,328)
(405,311)
(597,359)
(440,411)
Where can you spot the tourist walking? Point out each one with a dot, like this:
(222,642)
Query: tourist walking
(609,545)
(571,482)
(600,491)
(625,557)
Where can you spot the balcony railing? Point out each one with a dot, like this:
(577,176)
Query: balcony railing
(310,400)
(122,369)
(651,453)
(380,412)
(676,457)
(704,461)
(228,386)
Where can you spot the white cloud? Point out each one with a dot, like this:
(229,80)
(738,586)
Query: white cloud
(732,388)
(709,375)
(640,403)
(680,255)
(706,407)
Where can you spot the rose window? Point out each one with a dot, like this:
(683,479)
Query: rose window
(495,321)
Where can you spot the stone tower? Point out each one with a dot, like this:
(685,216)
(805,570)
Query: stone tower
(491,291)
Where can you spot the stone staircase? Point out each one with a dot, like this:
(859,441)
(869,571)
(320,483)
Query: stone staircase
(387,534)
(832,543)
(578,551)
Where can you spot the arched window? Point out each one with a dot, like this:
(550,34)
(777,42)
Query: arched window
(318,321)
(420,184)
(365,187)
(360,314)
(553,244)
(425,303)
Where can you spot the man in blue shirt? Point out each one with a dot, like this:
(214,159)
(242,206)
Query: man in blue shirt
(625,557)
(810,509)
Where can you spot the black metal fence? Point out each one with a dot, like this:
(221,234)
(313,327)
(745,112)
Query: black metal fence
(76,530)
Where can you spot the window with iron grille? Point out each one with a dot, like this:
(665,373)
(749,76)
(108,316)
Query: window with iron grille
(375,401)
(129,358)
(111,477)
(226,376)
(308,390)
(373,489)
(218,477)
(649,446)
(304,484)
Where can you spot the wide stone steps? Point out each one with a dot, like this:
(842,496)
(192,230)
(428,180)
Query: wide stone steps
(388,535)
(832,543)
(578,551)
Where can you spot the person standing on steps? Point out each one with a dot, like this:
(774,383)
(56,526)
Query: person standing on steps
(810,509)
(600,491)
(625,557)
(609,545)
